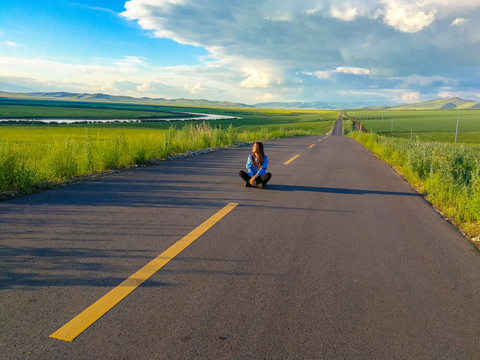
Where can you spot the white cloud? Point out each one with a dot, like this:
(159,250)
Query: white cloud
(458,21)
(129,76)
(329,74)
(10,43)
(265,97)
(324,74)
(255,78)
(193,89)
(348,14)
(254,45)
(411,97)
(445,94)
(352,70)
(408,17)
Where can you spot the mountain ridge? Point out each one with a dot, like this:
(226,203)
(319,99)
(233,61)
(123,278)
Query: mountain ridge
(435,104)
(100,97)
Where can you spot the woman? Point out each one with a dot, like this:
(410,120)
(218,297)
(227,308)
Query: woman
(257,163)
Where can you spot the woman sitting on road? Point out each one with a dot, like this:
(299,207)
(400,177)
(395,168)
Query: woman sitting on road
(257,166)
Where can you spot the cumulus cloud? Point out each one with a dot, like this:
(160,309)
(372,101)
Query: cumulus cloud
(458,21)
(410,97)
(255,78)
(295,48)
(408,17)
(129,75)
(346,14)
(193,89)
(308,34)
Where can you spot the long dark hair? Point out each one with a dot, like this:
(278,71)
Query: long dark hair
(261,154)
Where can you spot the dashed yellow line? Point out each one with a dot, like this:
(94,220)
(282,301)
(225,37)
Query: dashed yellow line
(290,160)
(311,146)
(82,321)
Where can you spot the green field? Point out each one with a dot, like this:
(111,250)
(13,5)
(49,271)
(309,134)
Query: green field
(54,109)
(427,125)
(33,153)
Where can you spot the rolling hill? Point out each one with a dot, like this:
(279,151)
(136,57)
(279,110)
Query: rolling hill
(99,97)
(437,104)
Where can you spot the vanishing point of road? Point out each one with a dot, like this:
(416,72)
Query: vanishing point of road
(338,258)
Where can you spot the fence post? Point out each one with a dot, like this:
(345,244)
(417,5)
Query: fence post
(456,131)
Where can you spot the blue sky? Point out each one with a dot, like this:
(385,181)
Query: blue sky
(386,51)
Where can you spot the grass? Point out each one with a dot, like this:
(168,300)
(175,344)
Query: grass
(463,137)
(39,154)
(447,174)
(35,109)
(441,123)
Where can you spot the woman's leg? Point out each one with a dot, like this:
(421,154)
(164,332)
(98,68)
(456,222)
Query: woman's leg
(245,178)
(266,178)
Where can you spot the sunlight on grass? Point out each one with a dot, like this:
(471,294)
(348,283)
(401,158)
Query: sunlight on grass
(39,154)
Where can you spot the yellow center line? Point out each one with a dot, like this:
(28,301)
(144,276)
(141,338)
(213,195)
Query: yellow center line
(82,321)
(289,161)
(311,146)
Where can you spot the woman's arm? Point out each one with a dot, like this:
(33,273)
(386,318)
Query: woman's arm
(249,166)
(260,172)
(264,167)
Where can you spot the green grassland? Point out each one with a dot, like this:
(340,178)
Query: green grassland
(33,153)
(427,125)
(52,109)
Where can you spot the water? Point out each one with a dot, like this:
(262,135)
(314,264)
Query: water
(203,117)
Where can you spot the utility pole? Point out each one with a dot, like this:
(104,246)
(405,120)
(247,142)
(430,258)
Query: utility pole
(456,131)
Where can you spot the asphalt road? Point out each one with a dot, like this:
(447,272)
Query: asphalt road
(338,258)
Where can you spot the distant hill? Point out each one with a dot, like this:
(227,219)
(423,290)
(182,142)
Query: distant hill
(67,96)
(314,105)
(437,104)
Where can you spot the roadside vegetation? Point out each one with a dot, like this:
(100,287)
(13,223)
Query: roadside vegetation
(427,125)
(37,156)
(447,174)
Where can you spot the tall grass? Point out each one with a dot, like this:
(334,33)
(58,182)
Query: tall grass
(447,174)
(27,163)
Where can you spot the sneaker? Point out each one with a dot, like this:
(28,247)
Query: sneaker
(247,184)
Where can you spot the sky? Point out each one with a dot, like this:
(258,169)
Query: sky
(248,51)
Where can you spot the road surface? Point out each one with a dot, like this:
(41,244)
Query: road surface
(337,259)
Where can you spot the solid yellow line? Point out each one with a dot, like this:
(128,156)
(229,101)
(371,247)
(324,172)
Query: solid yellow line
(289,161)
(311,146)
(82,321)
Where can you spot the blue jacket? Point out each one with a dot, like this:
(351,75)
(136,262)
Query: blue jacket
(252,169)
